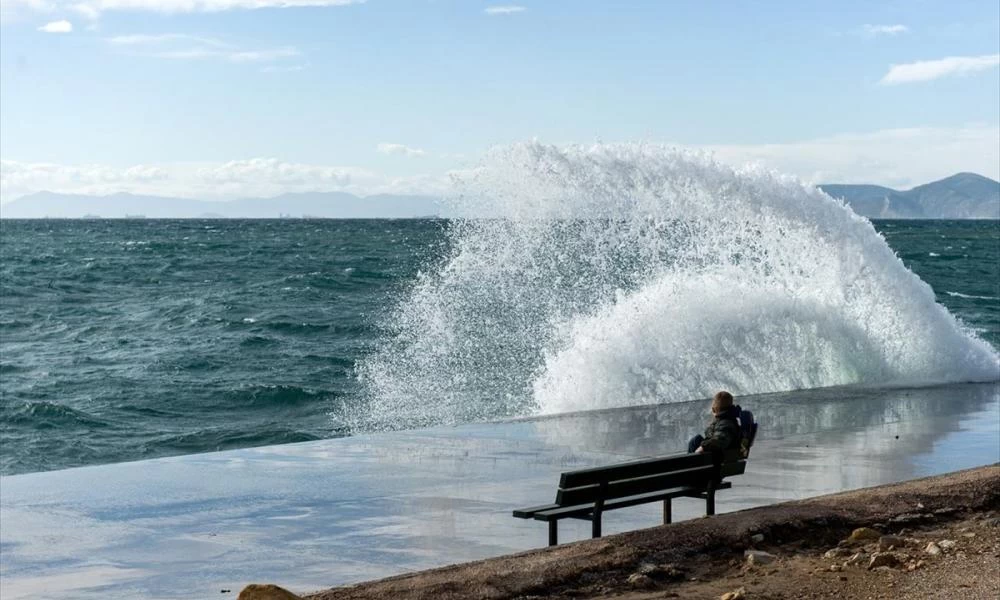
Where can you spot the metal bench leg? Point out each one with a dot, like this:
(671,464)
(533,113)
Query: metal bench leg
(667,516)
(553,532)
(710,502)
(595,523)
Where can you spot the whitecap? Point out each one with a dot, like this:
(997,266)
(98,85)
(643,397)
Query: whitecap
(970,296)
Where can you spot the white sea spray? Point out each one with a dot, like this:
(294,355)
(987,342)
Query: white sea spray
(614,275)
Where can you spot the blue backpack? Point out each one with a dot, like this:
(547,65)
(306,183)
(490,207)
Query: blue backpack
(748,431)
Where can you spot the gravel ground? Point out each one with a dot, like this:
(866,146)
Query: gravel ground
(968,568)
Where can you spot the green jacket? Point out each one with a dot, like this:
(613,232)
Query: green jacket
(723,433)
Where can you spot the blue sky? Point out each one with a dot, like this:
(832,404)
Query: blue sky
(223,98)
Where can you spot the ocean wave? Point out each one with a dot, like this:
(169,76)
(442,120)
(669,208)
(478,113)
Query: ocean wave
(50,415)
(288,326)
(215,439)
(273,395)
(255,341)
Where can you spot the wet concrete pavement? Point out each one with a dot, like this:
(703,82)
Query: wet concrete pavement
(318,514)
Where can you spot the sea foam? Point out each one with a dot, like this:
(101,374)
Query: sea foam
(612,275)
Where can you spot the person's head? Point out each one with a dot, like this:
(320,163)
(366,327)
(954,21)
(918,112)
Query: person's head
(721,402)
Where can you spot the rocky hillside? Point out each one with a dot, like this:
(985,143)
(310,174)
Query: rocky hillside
(961,196)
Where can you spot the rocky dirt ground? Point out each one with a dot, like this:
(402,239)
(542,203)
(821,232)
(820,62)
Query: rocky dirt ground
(944,556)
(936,537)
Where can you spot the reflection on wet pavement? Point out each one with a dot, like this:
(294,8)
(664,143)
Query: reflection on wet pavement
(325,513)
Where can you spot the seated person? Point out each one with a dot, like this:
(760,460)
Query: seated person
(723,433)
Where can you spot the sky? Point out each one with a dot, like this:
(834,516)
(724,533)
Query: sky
(219,99)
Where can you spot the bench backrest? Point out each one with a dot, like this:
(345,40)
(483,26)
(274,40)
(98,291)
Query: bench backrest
(647,475)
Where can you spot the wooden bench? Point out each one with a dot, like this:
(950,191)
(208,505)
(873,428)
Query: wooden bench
(588,493)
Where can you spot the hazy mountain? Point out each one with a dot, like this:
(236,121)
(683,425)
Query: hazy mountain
(961,196)
(312,204)
(51,204)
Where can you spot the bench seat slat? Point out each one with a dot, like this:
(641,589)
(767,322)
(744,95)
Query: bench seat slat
(582,510)
(638,499)
(528,513)
(563,512)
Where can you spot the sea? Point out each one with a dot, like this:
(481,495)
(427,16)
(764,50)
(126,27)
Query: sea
(595,280)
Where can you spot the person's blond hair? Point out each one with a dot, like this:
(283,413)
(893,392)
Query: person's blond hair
(721,401)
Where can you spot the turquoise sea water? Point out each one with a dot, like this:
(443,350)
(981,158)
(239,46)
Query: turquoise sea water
(129,339)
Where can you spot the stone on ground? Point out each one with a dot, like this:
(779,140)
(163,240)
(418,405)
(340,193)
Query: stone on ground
(638,580)
(888,542)
(256,591)
(883,559)
(759,557)
(863,534)
(739,594)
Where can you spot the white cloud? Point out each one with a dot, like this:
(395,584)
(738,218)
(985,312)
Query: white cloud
(142,39)
(898,158)
(271,171)
(182,46)
(35,5)
(399,149)
(92,9)
(504,10)
(15,10)
(210,181)
(928,70)
(86,11)
(876,30)
(236,56)
(57,27)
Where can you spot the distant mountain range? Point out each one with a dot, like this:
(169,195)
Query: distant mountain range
(961,196)
(311,204)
